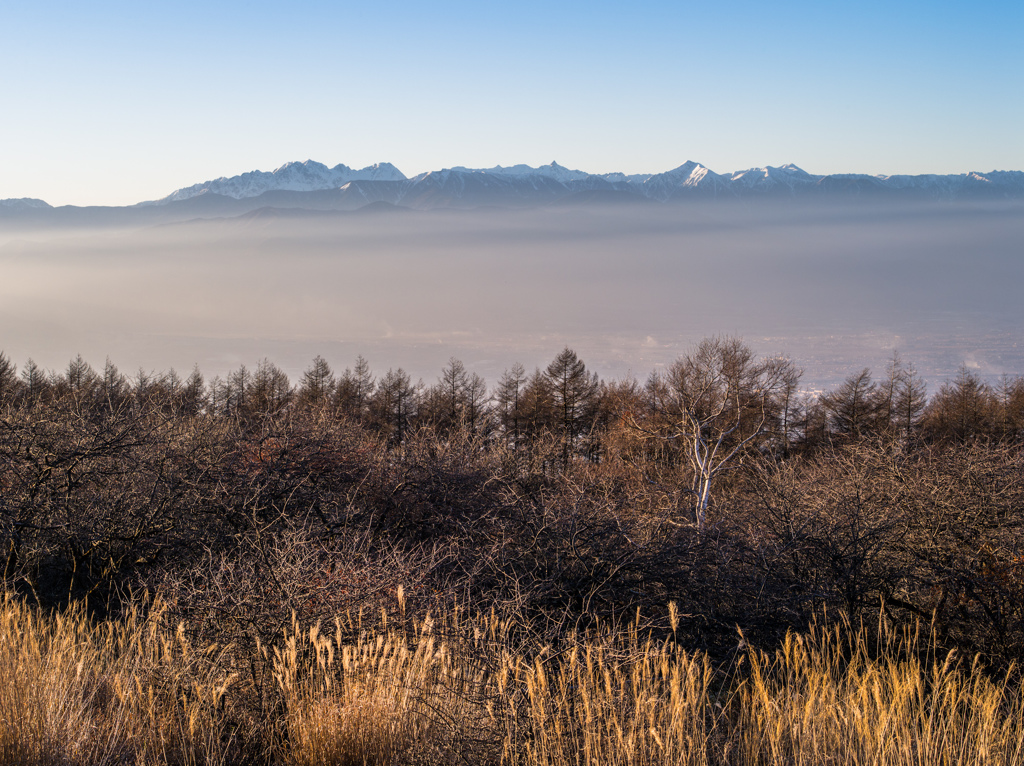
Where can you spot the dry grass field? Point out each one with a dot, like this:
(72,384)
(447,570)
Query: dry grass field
(455,689)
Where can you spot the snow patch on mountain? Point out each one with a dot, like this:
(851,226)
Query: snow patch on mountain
(771,179)
(553,171)
(634,178)
(292,176)
(23,203)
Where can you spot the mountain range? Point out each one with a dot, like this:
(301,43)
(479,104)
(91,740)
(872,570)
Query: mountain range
(312,186)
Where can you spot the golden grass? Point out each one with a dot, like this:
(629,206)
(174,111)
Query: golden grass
(389,696)
(598,703)
(822,700)
(75,692)
(135,691)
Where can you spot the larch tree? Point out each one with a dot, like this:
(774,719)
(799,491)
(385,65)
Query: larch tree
(80,379)
(354,390)
(962,410)
(1011,407)
(235,397)
(508,398)
(114,386)
(853,408)
(537,404)
(317,385)
(35,383)
(909,403)
(270,390)
(193,399)
(445,401)
(394,404)
(8,380)
(476,403)
(575,396)
(792,409)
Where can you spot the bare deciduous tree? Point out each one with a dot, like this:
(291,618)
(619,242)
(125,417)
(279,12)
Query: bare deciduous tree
(720,401)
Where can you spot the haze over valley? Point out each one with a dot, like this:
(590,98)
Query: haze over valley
(836,276)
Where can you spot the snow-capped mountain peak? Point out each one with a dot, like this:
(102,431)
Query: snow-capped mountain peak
(522,183)
(24,203)
(292,176)
(772,179)
(688,178)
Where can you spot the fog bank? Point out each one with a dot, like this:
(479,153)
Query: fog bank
(629,287)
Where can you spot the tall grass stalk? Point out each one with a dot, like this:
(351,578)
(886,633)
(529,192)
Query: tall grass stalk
(598,703)
(455,689)
(822,698)
(394,695)
(76,692)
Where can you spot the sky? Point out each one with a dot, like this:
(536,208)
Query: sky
(112,103)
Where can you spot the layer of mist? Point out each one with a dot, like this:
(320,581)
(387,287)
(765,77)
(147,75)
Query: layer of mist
(837,287)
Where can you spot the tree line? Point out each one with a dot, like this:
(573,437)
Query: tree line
(719,384)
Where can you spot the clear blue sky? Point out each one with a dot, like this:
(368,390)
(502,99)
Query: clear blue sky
(117,102)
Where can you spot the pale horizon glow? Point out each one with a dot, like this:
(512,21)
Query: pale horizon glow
(114,103)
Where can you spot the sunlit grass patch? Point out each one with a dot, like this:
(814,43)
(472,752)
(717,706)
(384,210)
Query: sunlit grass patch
(459,688)
(77,692)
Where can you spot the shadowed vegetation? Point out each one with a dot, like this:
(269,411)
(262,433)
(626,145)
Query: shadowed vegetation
(708,567)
